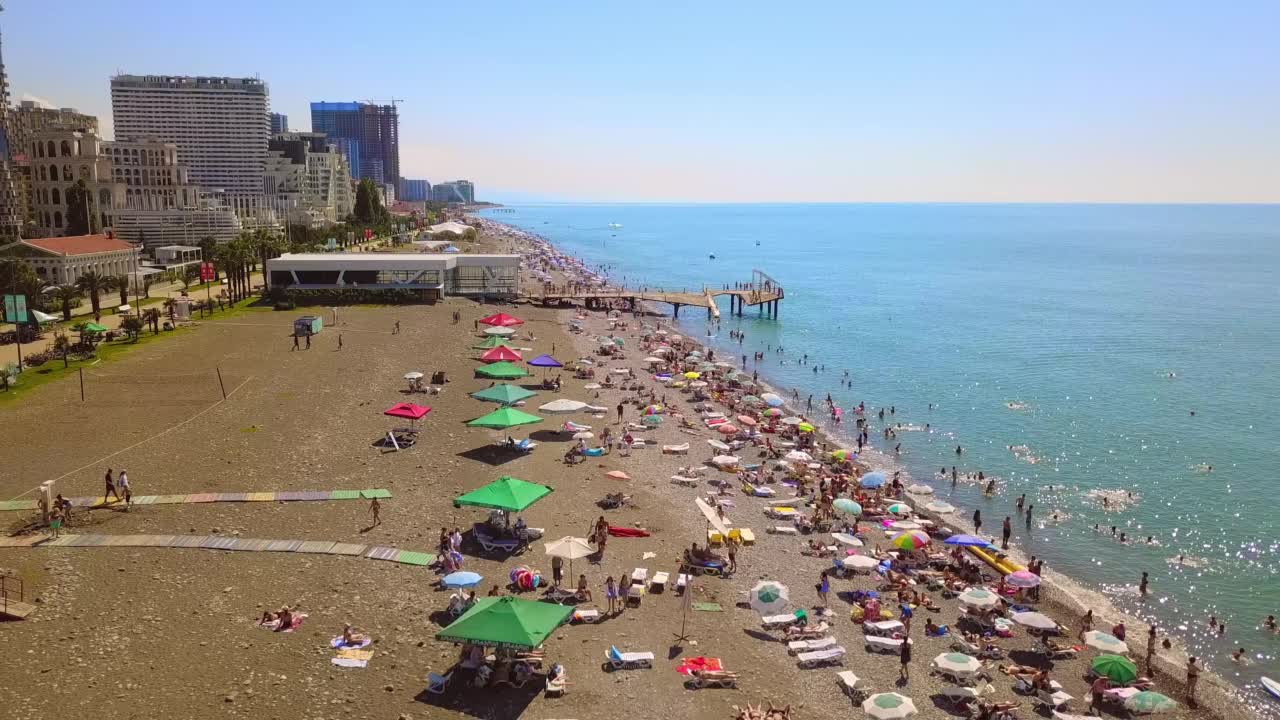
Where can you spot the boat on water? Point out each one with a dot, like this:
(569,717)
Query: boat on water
(615,225)
(1271,686)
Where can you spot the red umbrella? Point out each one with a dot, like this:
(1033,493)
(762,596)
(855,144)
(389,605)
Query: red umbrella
(501,320)
(499,354)
(409,411)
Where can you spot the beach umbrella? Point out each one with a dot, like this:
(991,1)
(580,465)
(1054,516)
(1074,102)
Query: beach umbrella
(93,327)
(872,480)
(504,394)
(899,508)
(691,375)
(724,461)
(798,456)
(504,418)
(747,420)
(1022,579)
(726,429)
(592,386)
(846,539)
(724,365)
(651,420)
(507,622)
(979,598)
(569,548)
(408,411)
(651,410)
(461,579)
(910,540)
(583,435)
(506,493)
(1106,642)
(619,341)
(773,412)
(791,420)
(919,489)
(500,331)
(768,597)
(751,400)
(772,399)
(501,320)
(546,361)
(966,541)
(859,562)
(938,506)
(502,371)
(805,427)
(712,515)
(617,475)
(904,525)
(697,384)
(839,455)
(719,446)
(1034,620)
(847,506)
(652,360)
(502,353)
(1117,669)
(955,662)
(889,706)
(563,406)
(415,375)
(1149,702)
(493,342)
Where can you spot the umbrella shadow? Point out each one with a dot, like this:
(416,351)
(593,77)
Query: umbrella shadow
(759,635)
(944,704)
(490,702)
(550,436)
(493,455)
(1031,658)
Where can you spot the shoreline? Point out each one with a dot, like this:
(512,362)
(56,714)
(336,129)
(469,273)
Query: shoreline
(1062,596)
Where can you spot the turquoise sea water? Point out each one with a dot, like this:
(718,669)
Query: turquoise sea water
(1080,313)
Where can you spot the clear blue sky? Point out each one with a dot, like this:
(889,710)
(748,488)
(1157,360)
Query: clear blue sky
(857,101)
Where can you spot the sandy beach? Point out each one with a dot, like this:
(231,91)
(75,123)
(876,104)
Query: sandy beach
(174,630)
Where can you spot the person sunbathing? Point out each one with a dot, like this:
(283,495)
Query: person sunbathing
(996,710)
(351,637)
(932,629)
(1015,670)
(268,618)
(584,593)
(285,618)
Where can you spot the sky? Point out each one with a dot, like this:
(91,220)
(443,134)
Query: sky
(733,102)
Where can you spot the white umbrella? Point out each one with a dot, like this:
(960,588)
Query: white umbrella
(569,548)
(652,360)
(584,435)
(562,406)
(955,662)
(846,539)
(697,384)
(859,562)
(798,456)
(712,515)
(591,386)
(768,597)
(772,399)
(940,507)
(889,706)
(1106,642)
(979,598)
(793,420)
(502,331)
(919,489)
(724,460)
(415,375)
(904,525)
(1034,620)
(719,445)
(724,365)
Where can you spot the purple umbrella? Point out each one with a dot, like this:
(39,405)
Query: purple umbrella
(545,361)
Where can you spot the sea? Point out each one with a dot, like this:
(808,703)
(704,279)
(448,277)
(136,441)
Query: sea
(1073,352)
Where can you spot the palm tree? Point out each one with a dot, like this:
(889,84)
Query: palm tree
(93,283)
(152,317)
(66,294)
(171,307)
(121,283)
(62,344)
(132,325)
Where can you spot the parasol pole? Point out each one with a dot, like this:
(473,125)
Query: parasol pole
(683,636)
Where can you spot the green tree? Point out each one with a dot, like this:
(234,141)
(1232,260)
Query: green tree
(152,317)
(80,220)
(66,295)
(171,308)
(14,274)
(368,207)
(132,325)
(93,284)
(62,345)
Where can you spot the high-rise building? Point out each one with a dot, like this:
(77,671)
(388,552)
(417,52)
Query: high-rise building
(458,191)
(279,123)
(220,125)
(374,130)
(12,205)
(414,190)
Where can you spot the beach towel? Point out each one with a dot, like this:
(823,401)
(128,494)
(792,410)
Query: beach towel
(616,531)
(708,607)
(349,657)
(337,643)
(693,664)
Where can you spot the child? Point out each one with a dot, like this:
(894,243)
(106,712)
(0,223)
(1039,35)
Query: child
(611,592)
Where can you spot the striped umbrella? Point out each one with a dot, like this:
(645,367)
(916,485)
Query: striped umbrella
(910,540)
(979,598)
(1150,703)
(768,597)
(1106,642)
(889,706)
(899,508)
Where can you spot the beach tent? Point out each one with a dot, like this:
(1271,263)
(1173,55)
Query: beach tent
(505,394)
(502,370)
(409,411)
(493,342)
(562,406)
(502,331)
(545,361)
(506,493)
(967,541)
(500,354)
(501,320)
(504,418)
(508,622)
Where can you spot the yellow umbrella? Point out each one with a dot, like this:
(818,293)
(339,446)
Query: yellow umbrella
(805,427)
(693,375)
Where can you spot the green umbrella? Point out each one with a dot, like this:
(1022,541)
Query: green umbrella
(651,419)
(503,418)
(505,493)
(93,327)
(847,506)
(494,342)
(1148,702)
(502,371)
(507,622)
(1115,668)
(505,394)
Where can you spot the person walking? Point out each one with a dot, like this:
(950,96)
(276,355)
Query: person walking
(1151,646)
(122,484)
(1142,585)
(1086,624)
(295,343)
(397,330)
(375,509)
(1005,533)
(619,413)
(977,521)
(823,587)
(110,487)
(1193,677)
(339,341)
(308,339)
(906,618)
(904,657)
(55,522)
(732,548)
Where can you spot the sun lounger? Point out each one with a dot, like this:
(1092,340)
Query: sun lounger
(773,622)
(437,684)
(682,582)
(685,481)
(682,449)
(962,645)
(588,616)
(558,595)
(882,628)
(619,660)
(713,678)
(830,656)
(525,445)
(798,646)
(640,576)
(1054,700)
(781,513)
(744,535)
(557,685)
(635,593)
(659,582)
(714,537)
(851,685)
(782,530)
(759,490)
(806,632)
(956,695)
(875,643)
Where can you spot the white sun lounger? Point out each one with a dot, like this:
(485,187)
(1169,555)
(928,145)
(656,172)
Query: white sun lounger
(882,628)
(798,646)
(955,695)
(882,644)
(685,481)
(619,660)
(781,513)
(770,622)
(659,582)
(851,684)
(675,449)
(640,576)
(831,656)
(783,530)
(682,582)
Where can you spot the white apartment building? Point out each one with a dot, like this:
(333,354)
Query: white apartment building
(220,125)
(59,159)
(307,180)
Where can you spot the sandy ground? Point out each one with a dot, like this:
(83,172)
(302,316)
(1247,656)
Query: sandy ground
(134,633)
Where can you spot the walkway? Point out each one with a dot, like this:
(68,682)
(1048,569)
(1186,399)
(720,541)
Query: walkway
(282,496)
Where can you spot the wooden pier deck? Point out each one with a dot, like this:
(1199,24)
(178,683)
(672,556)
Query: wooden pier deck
(762,292)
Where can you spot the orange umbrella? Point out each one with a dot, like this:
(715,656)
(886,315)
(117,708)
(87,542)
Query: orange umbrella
(617,475)
(502,353)
(747,420)
(727,429)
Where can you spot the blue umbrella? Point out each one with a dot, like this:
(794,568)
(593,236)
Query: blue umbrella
(873,480)
(966,540)
(545,361)
(461,579)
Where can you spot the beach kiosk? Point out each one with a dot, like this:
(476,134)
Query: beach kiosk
(307,325)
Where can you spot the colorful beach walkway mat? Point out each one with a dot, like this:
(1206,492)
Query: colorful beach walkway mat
(280,496)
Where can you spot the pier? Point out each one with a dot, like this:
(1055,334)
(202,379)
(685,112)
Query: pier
(762,292)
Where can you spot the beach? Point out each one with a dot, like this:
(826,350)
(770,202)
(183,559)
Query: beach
(121,628)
